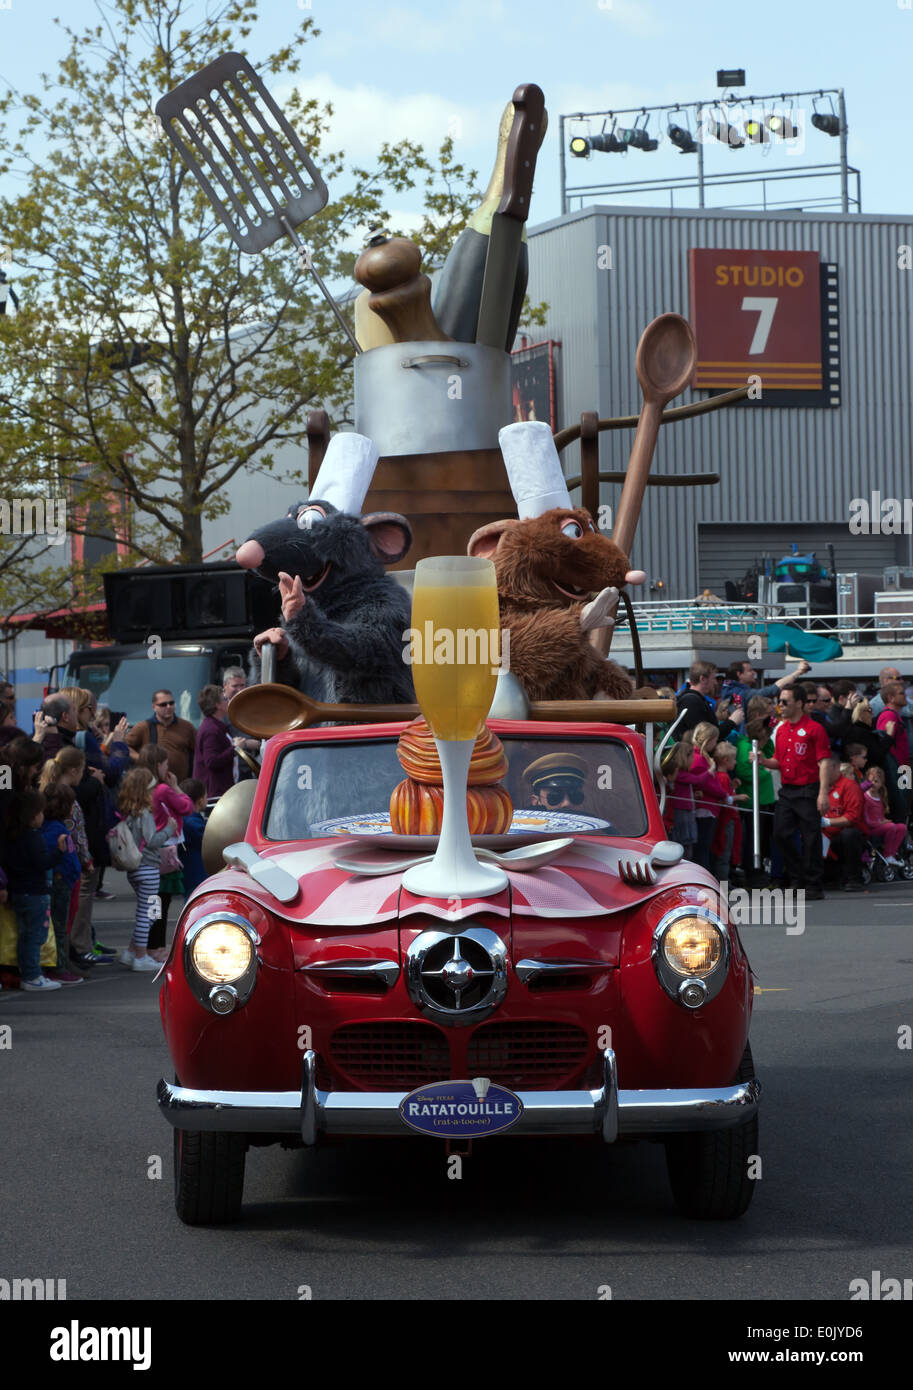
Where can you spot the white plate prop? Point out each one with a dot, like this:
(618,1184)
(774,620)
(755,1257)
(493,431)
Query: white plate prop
(535,823)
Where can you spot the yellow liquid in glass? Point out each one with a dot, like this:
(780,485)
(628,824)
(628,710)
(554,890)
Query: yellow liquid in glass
(455,655)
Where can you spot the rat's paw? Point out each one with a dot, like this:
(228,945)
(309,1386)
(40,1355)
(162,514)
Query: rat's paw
(292,595)
(597,612)
(275,637)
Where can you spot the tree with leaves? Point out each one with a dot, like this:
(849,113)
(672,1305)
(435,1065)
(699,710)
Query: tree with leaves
(143,334)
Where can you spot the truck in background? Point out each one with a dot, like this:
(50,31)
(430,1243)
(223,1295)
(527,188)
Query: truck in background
(173,627)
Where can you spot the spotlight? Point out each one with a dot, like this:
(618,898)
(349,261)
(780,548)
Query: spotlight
(781,126)
(637,137)
(682,137)
(756,132)
(826,121)
(726,134)
(605,143)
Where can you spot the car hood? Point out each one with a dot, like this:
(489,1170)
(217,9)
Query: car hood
(583,882)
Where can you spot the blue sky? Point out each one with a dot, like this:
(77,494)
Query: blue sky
(424,69)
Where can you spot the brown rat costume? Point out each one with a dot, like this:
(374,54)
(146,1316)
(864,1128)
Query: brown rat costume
(548,567)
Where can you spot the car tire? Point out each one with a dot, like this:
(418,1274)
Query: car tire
(708,1172)
(208,1176)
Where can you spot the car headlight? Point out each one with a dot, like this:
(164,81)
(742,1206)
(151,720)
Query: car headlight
(693,946)
(691,954)
(220,960)
(222,952)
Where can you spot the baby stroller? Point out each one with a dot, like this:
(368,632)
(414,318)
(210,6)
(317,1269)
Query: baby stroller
(877,866)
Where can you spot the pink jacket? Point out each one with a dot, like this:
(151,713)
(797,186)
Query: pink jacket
(874,810)
(168,801)
(700,778)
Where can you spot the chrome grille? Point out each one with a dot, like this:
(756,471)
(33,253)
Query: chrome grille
(527,1055)
(390,1056)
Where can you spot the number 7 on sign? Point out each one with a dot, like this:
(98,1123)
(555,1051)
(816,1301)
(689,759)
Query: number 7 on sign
(765,308)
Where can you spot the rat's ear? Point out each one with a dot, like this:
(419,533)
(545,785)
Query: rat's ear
(390,535)
(484,542)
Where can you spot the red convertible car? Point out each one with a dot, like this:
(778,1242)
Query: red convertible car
(602,993)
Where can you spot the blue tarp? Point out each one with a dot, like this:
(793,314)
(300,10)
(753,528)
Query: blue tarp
(796,641)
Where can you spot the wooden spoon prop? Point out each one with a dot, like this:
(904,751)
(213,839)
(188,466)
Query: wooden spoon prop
(265,710)
(665,362)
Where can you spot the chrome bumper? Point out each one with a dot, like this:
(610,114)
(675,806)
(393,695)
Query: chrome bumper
(607,1111)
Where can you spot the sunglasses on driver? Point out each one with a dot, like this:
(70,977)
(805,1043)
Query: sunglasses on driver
(557,789)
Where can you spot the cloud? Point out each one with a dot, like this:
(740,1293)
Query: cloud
(366,116)
(449,29)
(632,16)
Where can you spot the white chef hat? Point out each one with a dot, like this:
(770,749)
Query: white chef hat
(533,468)
(346,472)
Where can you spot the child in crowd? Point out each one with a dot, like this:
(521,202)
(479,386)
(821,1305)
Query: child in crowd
(59,802)
(194,825)
(135,802)
(705,737)
(875,805)
(727,841)
(28,862)
(66,770)
(167,800)
(683,781)
(678,811)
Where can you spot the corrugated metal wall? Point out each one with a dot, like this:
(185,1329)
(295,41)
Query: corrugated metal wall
(724,554)
(779,465)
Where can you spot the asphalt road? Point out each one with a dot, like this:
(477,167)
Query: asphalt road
(80,1135)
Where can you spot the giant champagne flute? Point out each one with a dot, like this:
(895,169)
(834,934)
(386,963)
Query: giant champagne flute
(456,630)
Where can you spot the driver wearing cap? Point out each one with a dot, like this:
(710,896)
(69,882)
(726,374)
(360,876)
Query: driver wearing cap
(558,781)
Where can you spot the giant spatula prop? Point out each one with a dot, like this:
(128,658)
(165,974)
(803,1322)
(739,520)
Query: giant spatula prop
(247,159)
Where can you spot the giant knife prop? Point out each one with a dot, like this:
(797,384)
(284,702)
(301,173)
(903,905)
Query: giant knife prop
(507,223)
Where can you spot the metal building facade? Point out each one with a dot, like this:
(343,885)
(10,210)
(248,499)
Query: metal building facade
(606,272)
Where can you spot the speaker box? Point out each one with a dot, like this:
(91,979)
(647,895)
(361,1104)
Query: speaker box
(188,602)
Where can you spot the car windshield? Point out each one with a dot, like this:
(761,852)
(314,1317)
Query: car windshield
(566,785)
(127,684)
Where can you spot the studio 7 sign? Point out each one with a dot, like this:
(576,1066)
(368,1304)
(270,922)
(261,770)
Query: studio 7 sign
(758,320)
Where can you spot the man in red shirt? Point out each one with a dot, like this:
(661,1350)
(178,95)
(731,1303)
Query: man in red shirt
(845,826)
(801,751)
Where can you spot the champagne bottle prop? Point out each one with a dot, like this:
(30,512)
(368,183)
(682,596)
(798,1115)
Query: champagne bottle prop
(458,288)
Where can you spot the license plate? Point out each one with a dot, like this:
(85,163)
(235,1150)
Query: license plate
(461,1109)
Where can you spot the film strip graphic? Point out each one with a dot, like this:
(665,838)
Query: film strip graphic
(830,332)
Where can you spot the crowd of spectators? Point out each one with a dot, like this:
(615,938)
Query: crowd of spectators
(63,788)
(833,776)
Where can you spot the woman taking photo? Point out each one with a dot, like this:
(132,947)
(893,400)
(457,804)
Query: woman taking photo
(214,759)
